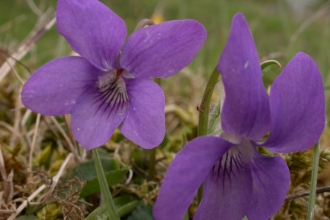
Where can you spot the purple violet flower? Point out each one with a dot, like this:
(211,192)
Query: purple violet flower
(238,181)
(109,85)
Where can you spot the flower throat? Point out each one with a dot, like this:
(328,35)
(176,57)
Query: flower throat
(113,92)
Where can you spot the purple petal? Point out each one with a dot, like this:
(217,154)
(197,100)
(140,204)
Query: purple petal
(228,188)
(92,30)
(162,50)
(54,88)
(246,107)
(94,120)
(187,172)
(297,107)
(145,121)
(271,179)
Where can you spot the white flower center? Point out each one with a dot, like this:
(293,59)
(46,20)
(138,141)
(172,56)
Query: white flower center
(113,91)
(234,160)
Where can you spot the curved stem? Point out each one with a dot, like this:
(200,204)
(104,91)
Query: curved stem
(204,108)
(318,190)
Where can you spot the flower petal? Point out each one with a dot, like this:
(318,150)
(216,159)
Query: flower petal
(92,30)
(246,107)
(187,172)
(54,87)
(228,188)
(297,107)
(93,120)
(271,180)
(162,50)
(145,121)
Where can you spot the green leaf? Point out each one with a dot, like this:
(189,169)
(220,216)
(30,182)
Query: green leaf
(142,212)
(102,181)
(245,218)
(101,211)
(122,200)
(186,216)
(43,157)
(86,170)
(214,120)
(128,208)
(112,178)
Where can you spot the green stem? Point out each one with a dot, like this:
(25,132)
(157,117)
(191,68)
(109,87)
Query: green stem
(105,191)
(311,202)
(204,108)
(199,194)
(186,216)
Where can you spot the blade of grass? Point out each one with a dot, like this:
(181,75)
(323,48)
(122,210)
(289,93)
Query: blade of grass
(311,202)
(111,211)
